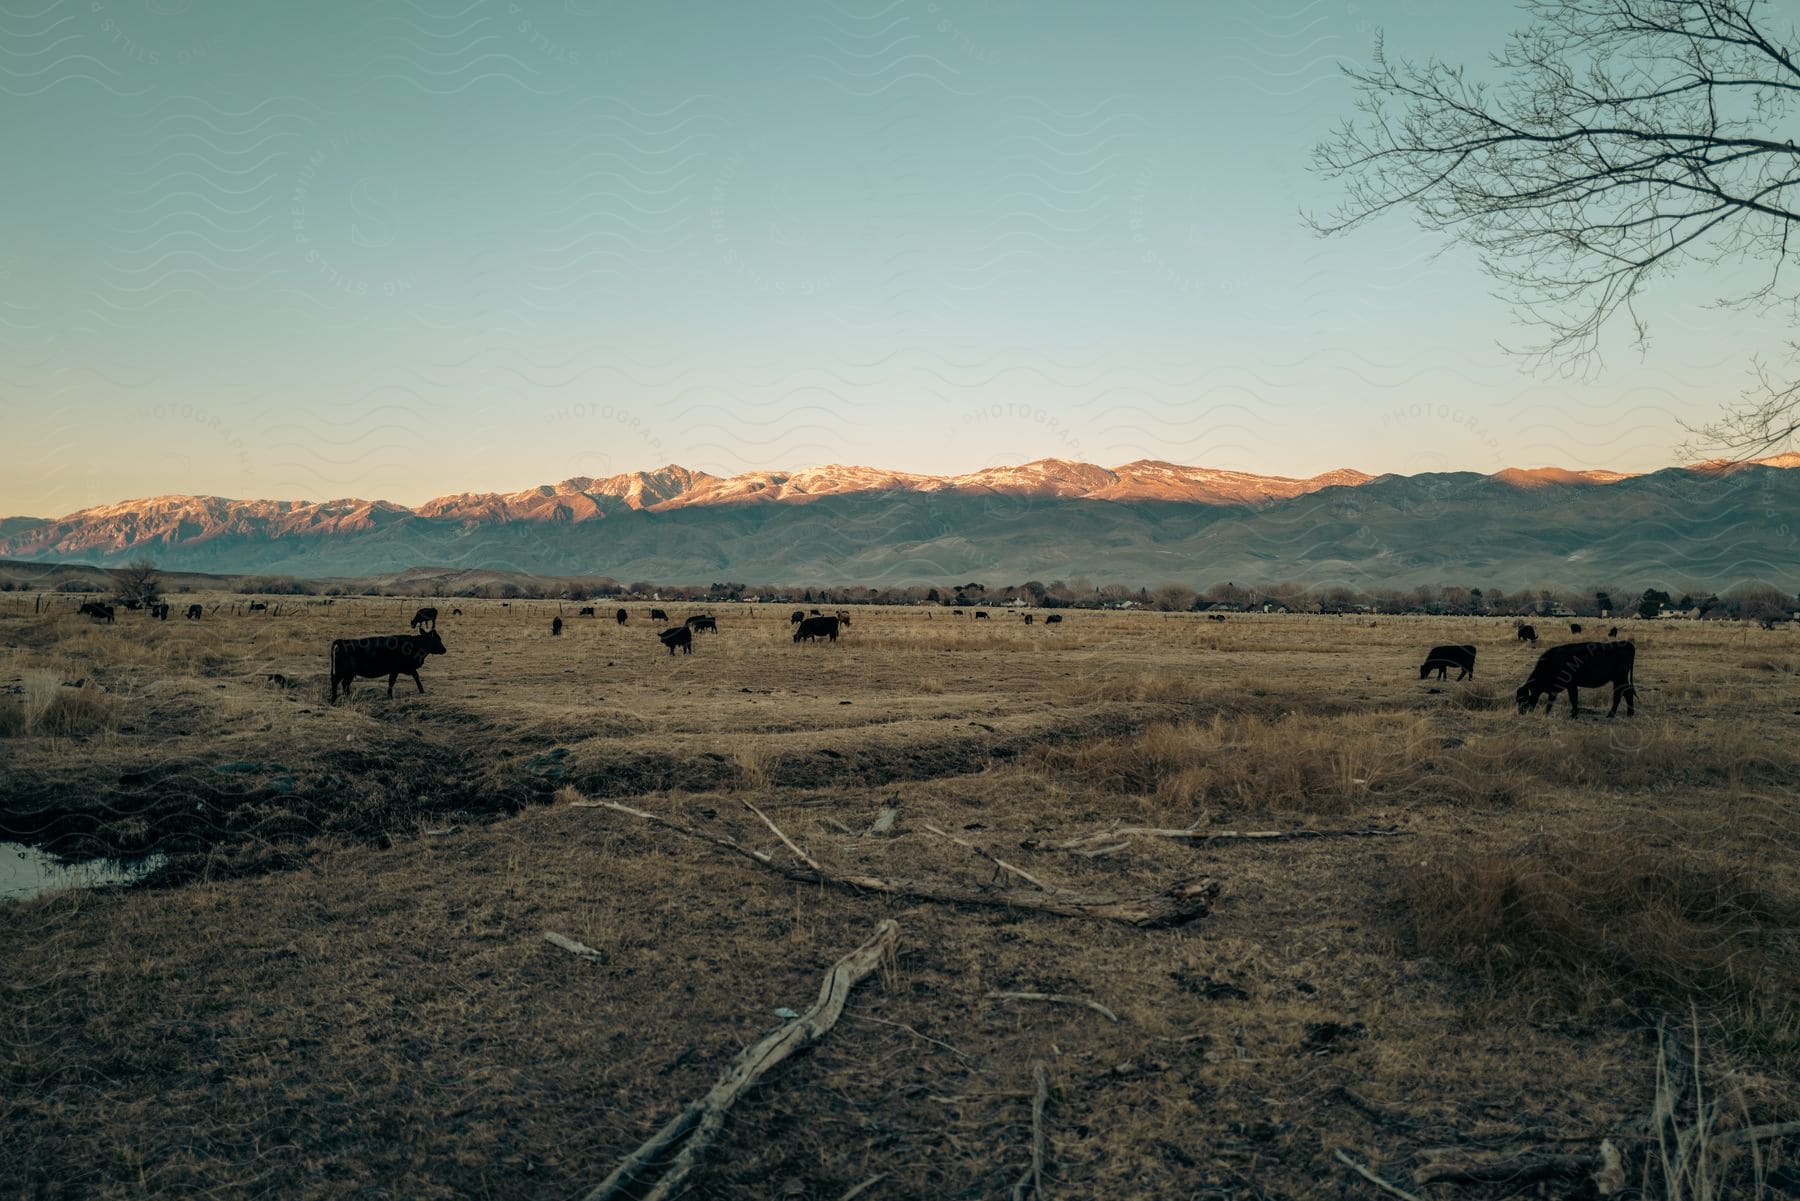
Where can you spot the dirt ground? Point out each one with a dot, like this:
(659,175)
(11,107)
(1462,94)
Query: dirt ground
(338,983)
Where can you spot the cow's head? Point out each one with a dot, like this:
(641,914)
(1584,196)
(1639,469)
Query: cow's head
(1527,696)
(430,643)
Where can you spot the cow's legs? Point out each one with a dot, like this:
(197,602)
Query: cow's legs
(1574,701)
(417,680)
(392,676)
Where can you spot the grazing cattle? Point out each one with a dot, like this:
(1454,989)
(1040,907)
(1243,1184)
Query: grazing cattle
(392,656)
(796,617)
(194,612)
(702,621)
(981,615)
(1576,665)
(1215,617)
(1443,658)
(255,605)
(424,617)
(1053,619)
(1528,634)
(160,611)
(658,615)
(1028,619)
(681,637)
(621,616)
(956,612)
(97,611)
(453,612)
(586,611)
(1574,628)
(555,627)
(1613,633)
(816,627)
(815,612)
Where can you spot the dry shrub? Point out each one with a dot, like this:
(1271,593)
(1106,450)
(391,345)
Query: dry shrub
(50,708)
(1306,764)
(930,686)
(1600,918)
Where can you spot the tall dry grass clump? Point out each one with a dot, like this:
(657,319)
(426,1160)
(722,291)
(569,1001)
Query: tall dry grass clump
(1603,918)
(48,707)
(1298,763)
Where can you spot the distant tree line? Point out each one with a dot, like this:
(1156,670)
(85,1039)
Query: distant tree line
(1757,602)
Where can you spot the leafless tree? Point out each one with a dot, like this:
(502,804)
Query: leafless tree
(138,582)
(1609,141)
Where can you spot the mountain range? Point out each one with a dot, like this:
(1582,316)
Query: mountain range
(1141,522)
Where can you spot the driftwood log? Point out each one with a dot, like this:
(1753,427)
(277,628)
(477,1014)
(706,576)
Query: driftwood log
(698,1125)
(1180,903)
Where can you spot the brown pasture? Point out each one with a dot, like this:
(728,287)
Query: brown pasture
(339,984)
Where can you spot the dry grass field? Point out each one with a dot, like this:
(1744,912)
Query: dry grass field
(338,983)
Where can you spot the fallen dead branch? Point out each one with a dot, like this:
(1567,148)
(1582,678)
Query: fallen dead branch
(1506,1169)
(1107,841)
(936,1042)
(1031,1181)
(859,1189)
(571,946)
(1391,1189)
(698,1125)
(998,862)
(1055,999)
(1178,904)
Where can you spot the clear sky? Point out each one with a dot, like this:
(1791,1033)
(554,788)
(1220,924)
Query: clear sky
(399,248)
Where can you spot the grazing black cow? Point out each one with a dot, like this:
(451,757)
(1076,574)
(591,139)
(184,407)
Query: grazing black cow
(555,627)
(621,616)
(1028,619)
(160,611)
(424,617)
(681,637)
(1528,634)
(97,611)
(658,615)
(1613,633)
(194,612)
(1443,658)
(392,656)
(796,617)
(255,605)
(1215,617)
(586,611)
(1575,665)
(815,612)
(814,628)
(453,612)
(1053,619)
(1574,628)
(702,621)
(956,612)
(981,615)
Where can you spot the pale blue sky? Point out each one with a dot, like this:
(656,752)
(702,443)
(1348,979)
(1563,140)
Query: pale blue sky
(399,249)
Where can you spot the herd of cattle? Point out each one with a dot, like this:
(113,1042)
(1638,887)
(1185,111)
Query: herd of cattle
(1566,668)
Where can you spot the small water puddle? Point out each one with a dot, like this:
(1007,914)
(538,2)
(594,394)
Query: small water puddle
(28,872)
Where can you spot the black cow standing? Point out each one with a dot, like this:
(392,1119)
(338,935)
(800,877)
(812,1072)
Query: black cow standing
(160,611)
(1443,658)
(796,617)
(194,612)
(1028,619)
(658,615)
(981,614)
(258,606)
(814,628)
(1574,628)
(98,612)
(680,636)
(1053,619)
(392,656)
(586,611)
(703,621)
(1613,633)
(1528,634)
(555,627)
(621,617)
(424,617)
(1576,665)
